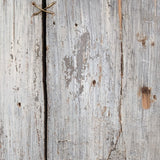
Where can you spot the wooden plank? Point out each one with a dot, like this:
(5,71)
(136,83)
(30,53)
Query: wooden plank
(21,90)
(141,111)
(84,80)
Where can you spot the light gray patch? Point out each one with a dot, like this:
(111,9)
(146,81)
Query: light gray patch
(81,58)
(69,69)
(109,62)
(1,128)
(81,89)
(92,57)
(79,66)
(83,42)
(36,99)
(35,80)
(37,49)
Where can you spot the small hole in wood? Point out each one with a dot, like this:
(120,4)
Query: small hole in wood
(152,44)
(33,3)
(76,24)
(154,97)
(94,82)
(54,23)
(146,90)
(19,104)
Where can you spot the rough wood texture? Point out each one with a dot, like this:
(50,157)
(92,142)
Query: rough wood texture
(84,81)
(141,111)
(21,91)
(102,80)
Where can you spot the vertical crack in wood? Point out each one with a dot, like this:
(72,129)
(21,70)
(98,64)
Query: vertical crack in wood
(121,88)
(121,47)
(44,78)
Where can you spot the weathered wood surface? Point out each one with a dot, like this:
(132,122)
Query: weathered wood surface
(103,80)
(141,87)
(21,91)
(84,81)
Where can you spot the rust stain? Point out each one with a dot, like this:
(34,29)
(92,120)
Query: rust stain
(141,38)
(121,44)
(146,97)
(144,42)
(120,13)
(154,97)
(120,16)
(152,44)
(104,110)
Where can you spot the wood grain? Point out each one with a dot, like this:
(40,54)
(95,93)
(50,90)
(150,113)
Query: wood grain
(141,111)
(84,81)
(102,80)
(21,91)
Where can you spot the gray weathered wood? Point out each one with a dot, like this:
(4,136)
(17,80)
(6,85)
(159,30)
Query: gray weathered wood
(141,110)
(21,91)
(102,80)
(84,81)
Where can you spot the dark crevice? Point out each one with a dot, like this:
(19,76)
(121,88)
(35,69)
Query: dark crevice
(121,72)
(44,78)
(121,64)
